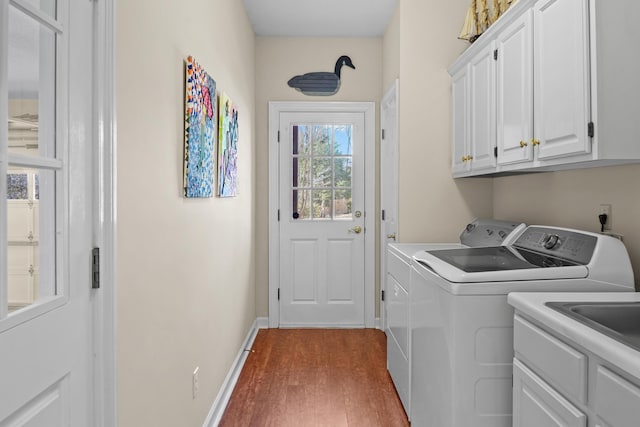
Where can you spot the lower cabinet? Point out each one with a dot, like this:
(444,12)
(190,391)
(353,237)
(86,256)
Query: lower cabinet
(536,404)
(558,383)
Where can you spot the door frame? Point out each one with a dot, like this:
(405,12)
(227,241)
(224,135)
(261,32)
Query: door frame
(390,97)
(368,109)
(104,234)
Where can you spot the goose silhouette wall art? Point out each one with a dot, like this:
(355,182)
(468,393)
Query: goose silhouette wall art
(321,83)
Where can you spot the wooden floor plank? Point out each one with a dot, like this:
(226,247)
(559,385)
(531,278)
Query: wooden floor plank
(315,377)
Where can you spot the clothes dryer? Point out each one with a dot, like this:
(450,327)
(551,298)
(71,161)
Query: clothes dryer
(479,232)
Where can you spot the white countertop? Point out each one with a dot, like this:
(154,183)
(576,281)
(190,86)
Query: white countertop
(533,305)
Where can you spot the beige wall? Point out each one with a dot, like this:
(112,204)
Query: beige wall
(432,205)
(186,285)
(391,51)
(279,59)
(572,199)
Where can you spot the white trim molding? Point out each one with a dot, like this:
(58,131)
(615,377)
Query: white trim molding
(368,109)
(104,234)
(220,404)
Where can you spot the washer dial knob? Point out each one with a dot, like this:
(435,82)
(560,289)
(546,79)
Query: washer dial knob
(551,241)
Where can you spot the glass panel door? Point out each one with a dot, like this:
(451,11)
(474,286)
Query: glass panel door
(31,165)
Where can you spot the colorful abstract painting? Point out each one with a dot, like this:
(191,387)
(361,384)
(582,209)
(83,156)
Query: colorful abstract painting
(199,130)
(227,148)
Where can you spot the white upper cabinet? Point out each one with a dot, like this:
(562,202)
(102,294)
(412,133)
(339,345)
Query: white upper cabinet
(460,114)
(474,124)
(563,92)
(482,83)
(561,78)
(515,91)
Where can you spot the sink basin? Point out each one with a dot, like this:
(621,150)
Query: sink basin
(617,320)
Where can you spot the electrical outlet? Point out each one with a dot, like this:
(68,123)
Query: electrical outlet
(606,209)
(195,383)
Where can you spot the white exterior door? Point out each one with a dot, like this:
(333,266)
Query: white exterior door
(46,216)
(322,229)
(388,181)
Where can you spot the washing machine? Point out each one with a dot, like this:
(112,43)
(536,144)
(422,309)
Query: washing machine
(479,232)
(462,326)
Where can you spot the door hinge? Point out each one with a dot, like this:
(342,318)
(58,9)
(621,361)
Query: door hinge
(278,136)
(278,294)
(495,55)
(591,130)
(382,133)
(495,152)
(383,215)
(382,296)
(95,269)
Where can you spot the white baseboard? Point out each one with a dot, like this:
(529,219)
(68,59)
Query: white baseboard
(220,404)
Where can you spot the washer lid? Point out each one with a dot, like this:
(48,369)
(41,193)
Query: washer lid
(498,264)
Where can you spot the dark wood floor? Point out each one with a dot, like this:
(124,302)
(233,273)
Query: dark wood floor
(316,377)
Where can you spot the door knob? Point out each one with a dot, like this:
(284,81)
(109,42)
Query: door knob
(357,229)
(391,236)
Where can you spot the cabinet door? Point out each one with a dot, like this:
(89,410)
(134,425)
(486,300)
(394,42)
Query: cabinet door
(536,404)
(561,78)
(515,91)
(482,81)
(460,114)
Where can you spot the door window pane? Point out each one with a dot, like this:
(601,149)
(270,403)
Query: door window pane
(302,171)
(322,173)
(301,139)
(47,6)
(342,168)
(322,203)
(342,140)
(301,204)
(30,238)
(321,164)
(31,86)
(342,204)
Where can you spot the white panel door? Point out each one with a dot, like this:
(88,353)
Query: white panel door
(46,357)
(460,126)
(482,83)
(561,78)
(388,181)
(515,91)
(321,202)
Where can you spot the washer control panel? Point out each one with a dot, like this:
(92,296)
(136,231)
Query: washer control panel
(561,243)
(488,232)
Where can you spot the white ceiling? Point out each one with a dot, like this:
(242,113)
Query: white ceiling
(319,18)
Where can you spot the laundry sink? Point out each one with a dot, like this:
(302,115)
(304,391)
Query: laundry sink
(617,320)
